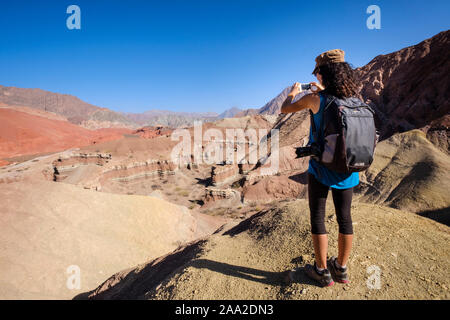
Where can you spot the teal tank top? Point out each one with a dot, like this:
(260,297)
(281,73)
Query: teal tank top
(324,175)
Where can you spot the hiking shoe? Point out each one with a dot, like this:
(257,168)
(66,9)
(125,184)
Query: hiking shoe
(324,277)
(339,274)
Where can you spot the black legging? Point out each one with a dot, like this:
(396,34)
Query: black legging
(342,198)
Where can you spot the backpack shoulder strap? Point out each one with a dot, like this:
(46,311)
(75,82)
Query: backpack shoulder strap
(313,125)
(329,103)
(330,100)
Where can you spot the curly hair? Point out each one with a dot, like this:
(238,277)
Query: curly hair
(338,79)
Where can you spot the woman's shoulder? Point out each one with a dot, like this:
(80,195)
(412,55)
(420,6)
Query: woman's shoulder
(313,101)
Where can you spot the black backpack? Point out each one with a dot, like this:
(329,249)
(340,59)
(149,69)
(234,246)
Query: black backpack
(348,138)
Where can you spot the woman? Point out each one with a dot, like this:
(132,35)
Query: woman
(336,78)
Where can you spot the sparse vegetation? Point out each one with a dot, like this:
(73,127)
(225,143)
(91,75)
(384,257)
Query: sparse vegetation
(178,243)
(184,193)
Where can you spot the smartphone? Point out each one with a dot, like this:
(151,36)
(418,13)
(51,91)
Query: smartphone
(306,86)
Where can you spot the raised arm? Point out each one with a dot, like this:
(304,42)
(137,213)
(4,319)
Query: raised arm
(311,101)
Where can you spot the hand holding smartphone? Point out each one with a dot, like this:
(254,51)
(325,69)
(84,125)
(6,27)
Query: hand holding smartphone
(306,86)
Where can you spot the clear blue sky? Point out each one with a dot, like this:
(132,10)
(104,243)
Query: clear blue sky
(195,55)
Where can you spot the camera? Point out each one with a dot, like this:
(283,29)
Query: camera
(305,86)
(311,150)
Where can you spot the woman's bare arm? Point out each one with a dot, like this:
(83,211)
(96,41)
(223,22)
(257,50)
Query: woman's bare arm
(311,101)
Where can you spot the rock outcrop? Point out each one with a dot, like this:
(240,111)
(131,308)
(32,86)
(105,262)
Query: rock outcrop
(69,165)
(214,194)
(438,132)
(75,159)
(409,88)
(136,170)
(224,174)
(152,132)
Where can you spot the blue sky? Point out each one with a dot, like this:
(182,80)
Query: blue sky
(195,55)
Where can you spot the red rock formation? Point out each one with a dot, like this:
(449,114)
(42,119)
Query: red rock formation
(22,133)
(70,162)
(214,194)
(221,198)
(137,170)
(152,132)
(245,168)
(223,174)
(438,133)
(275,188)
(409,88)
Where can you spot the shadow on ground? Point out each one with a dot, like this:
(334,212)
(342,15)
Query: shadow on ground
(438,215)
(301,178)
(261,276)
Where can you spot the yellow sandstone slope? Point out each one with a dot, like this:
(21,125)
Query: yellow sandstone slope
(409,173)
(47,227)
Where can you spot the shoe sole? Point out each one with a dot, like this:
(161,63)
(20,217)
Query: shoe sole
(343,281)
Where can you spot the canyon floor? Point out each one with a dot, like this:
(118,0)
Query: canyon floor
(49,226)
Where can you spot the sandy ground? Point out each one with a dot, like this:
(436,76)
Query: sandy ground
(249,261)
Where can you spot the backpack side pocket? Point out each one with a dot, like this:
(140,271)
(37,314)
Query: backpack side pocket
(329,148)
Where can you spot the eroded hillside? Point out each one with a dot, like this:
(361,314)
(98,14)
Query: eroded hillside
(47,227)
(409,173)
(249,260)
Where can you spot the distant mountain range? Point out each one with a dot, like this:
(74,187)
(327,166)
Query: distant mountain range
(87,115)
(230,113)
(169,118)
(72,108)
